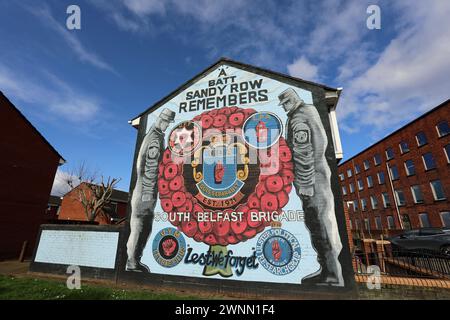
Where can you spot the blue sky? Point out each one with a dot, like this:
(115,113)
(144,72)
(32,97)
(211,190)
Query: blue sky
(80,87)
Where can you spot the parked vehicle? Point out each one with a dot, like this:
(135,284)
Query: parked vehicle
(428,239)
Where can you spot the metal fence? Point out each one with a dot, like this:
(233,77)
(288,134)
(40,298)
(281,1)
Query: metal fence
(423,264)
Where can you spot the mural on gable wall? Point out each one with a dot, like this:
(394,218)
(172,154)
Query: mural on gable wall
(231,182)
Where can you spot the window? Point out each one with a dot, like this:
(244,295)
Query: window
(445,217)
(428,161)
(356,224)
(369,182)
(363,204)
(424,221)
(406,222)
(378,223)
(341,177)
(386,201)
(389,153)
(381,179)
(374,202)
(349,173)
(400,197)
(367,224)
(394,173)
(366,164)
(447,152)
(438,191)
(360,184)
(410,168)
(352,187)
(377,159)
(421,139)
(344,190)
(417,194)
(355,205)
(390,222)
(357,169)
(442,128)
(350,224)
(404,148)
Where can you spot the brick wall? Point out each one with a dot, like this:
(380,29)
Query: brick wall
(422,177)
(28,166)
(72,209)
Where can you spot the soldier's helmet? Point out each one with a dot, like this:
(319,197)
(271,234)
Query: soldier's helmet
(167,115)
(289,95)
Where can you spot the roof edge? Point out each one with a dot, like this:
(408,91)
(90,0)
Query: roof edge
(234,63)
(61,159)
(398,130)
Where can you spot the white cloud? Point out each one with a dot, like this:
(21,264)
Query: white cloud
(54,96)
(71,39)
(145,7)
(60,186)
(303,69)
(411,74)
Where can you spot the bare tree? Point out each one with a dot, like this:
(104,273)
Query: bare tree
(96,196)
(97,193)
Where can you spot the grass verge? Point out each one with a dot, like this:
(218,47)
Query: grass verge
(19,288)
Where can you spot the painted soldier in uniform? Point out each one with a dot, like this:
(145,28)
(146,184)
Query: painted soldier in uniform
(144,196)
(308,141)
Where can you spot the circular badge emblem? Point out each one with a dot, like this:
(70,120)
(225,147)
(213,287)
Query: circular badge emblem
(222,176)
(262,130)
(185,138)
(278,251)
(169,247)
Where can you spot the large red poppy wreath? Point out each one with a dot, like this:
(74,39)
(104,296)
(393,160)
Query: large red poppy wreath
(269,195)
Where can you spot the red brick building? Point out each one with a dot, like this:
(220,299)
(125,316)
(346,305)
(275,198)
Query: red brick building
(402,181)
(72,209)
(27,169)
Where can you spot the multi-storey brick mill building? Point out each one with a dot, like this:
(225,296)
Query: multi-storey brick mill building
(403,181)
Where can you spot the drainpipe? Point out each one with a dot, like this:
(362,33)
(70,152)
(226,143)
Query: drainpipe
(393,195)
(359,200)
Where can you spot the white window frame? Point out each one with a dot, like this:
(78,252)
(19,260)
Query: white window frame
(406,168)
(363,204)
(420,219)
(378,223)
(385,203)
(375,160)
(434,191)
(369,184)
(398,198)
(425,164)
(366,165)
(378,176)
(373,199)
(437,130)
(387,155)
(349,173)
(414,194)
(391,226)
(446,154)
(417,140)
(400,147)
(367,224)
(441,215)
(392,173)
(360,185)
